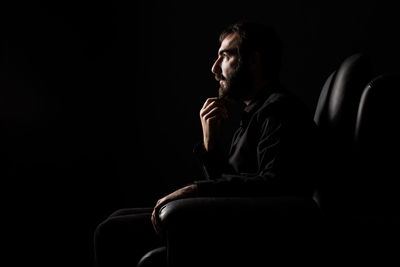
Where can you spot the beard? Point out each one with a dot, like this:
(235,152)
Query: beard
(238,85)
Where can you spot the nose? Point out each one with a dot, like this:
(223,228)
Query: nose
(216,68)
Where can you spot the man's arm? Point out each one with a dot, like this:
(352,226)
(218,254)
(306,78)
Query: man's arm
(212,114)
(184,192)
(208,151)
(285,159)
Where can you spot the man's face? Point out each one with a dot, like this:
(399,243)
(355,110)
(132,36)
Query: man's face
(232,75)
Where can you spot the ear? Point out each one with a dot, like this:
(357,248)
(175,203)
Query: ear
(255,61)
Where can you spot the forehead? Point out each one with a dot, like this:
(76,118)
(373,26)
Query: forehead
(231,41)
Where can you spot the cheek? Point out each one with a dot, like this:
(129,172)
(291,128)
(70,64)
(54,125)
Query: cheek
(228,69)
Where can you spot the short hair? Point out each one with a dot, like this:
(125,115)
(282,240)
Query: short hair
(254,36)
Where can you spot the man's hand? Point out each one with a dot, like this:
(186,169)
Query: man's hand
(211,116)
(184,192)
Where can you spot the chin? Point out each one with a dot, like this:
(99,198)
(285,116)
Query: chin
(222,92)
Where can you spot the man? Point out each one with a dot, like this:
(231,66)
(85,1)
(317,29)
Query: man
(272,151)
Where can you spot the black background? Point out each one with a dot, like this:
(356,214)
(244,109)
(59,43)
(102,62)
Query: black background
(99,101)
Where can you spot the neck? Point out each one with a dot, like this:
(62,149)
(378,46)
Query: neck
(258,86)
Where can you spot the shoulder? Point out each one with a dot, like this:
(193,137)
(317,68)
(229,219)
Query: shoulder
(284,107)
(280,103)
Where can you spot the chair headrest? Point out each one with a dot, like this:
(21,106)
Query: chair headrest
(322,104)
(378,113)
(338,102)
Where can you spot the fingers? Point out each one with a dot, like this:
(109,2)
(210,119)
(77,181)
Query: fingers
(154,215)
(216,113)
(213,107)
(154,220)
(209,101)
(213,102)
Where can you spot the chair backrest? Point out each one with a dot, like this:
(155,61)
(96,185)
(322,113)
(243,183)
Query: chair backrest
(336,117)
(338,101)
(377,136)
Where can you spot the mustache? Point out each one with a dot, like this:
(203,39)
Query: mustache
(219,77)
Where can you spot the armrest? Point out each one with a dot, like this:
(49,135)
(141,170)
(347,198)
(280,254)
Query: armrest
(200,210)
(242,229)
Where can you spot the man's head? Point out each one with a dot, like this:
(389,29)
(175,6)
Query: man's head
(249,54)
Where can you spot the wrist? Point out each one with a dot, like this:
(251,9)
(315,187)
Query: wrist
(194,189)
(208,146)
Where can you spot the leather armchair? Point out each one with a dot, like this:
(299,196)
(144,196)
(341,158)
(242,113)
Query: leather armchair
(370,219)
(229,231)
(335,116)
(376,189)
(264,231)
